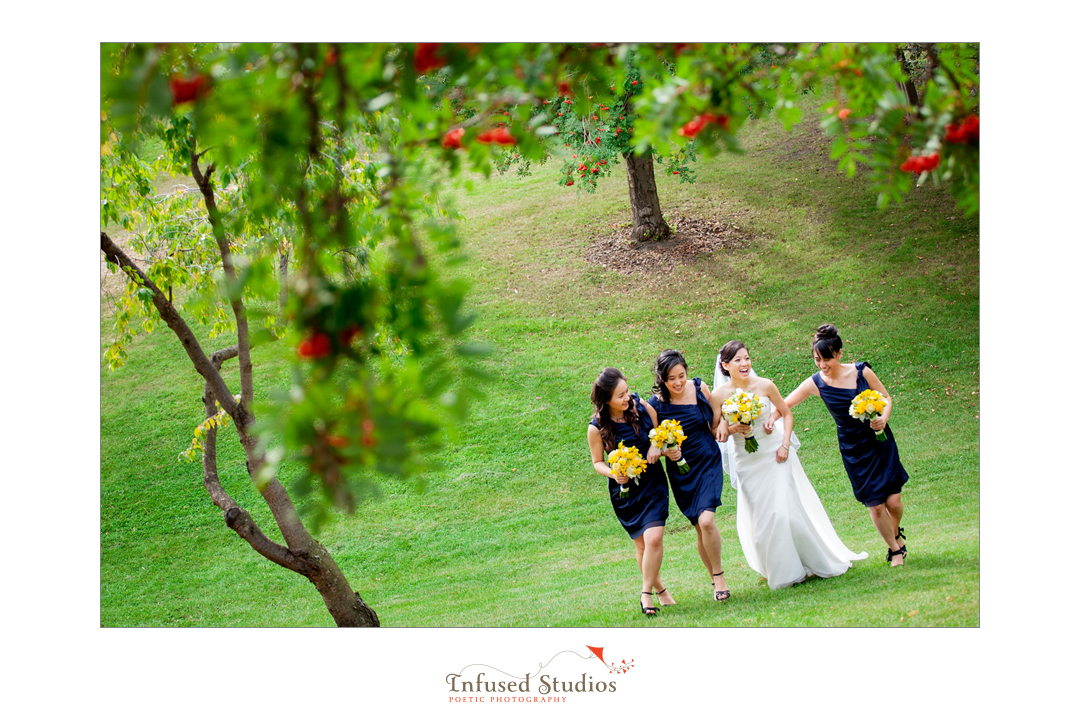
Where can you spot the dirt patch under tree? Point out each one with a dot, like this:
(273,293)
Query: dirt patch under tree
(693,238)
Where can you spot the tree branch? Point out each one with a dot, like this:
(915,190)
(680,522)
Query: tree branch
(240,521)
(172,318)
(211,481)
(243,339)
(236,517)
(285,515)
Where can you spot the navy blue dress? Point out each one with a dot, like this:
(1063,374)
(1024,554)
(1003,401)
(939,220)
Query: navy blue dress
(872,466)
(646,505)
(698,490)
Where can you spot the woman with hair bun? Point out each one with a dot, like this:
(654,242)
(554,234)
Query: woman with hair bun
(873,466)
(697,492)
(621,416)
(784,531)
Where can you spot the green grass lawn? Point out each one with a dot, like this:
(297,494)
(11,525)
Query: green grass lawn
(516,528)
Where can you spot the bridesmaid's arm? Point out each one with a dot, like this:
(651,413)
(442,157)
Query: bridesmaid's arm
(596,448)
(881,420)
(722,430)
(805,390)
(780,406)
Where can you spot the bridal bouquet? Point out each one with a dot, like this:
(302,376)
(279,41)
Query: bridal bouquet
(866,406)
(743,407)
(626,461)
(669,435)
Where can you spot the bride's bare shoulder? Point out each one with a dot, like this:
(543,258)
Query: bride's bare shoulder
(762,385)
(722,391)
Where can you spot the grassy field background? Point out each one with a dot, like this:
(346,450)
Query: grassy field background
(516,529)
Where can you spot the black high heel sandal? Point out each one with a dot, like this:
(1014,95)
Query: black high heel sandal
(890,554)
(903,548)
(649,612)
(720,595)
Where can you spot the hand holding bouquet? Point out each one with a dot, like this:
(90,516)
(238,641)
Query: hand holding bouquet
(866,406)
(743,407)
(669,435)
(627,462)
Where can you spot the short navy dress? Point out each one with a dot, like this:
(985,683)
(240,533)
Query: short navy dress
(873,466)
(698,490)
(646,505)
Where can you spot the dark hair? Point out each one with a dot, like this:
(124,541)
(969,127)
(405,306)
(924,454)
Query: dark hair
(602,390)
(827,341)
(730,350)
(667,362)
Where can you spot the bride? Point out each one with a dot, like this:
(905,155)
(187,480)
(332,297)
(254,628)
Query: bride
(783,529)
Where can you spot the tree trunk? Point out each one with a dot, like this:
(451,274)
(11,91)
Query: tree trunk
(283,276)
(644,201)
(313,562)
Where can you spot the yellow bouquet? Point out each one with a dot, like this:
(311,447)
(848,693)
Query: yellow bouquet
(866,406)
(669,435)
(626,461)
(743,407)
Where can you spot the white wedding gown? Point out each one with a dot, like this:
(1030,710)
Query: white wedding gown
(783,529)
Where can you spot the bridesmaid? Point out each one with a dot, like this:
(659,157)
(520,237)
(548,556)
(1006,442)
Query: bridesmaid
(873,466)
(620,416)
(697,493)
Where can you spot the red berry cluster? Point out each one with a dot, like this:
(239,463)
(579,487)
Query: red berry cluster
(698,124)
(964,133)
(318,344)
(314,346)
(921,163)
(427,57)
(188,89)
(499,135)
(452,139)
